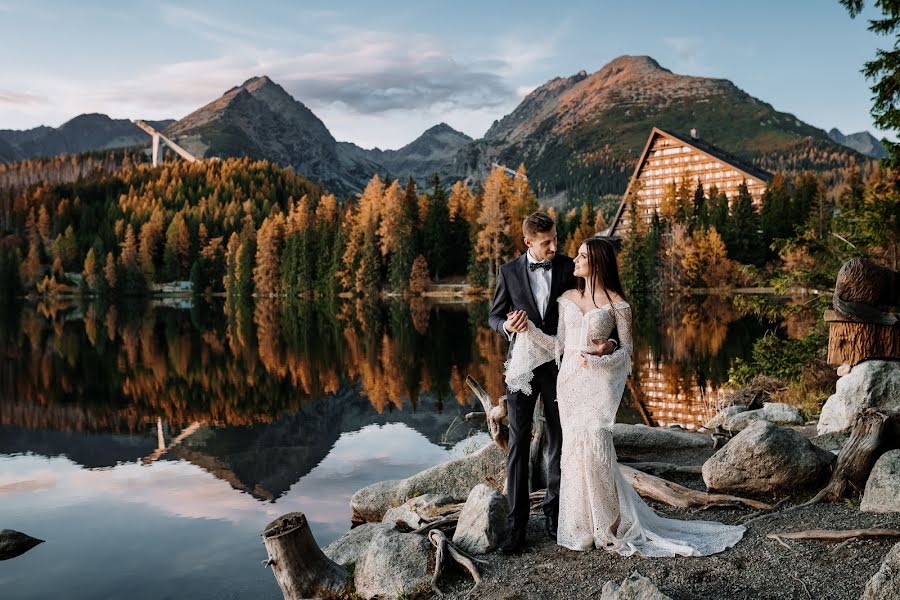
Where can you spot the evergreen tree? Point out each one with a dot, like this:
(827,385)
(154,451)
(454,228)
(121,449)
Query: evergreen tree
(435,233)
(744,239)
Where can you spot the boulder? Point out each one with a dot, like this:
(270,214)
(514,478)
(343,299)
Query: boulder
(773,412)
(394,564)
(347,550)
(885,584)
(369,504)
(483,520)
(870,384)
(883,487)
(765,458)
(454,479)
(416,511)
(649,438)
(724,415)
(633,587)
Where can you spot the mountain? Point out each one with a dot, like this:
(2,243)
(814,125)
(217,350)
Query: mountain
(82,134)
(580,135)
(430,153)
(259,119)
(863,142)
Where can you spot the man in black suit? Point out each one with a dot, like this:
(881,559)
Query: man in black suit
(527,289)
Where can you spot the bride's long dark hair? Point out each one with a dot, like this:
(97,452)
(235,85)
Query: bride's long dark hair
(604,269)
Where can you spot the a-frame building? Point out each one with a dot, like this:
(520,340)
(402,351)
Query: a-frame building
(670,158)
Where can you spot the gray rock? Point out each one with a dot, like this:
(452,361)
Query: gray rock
(885,584)
(347,550)
(870,384)
(724,415)
(415,511)
(833,442)
(883,487)
(369,504)
(633,587)
(394,564)
(773,412)
(650,438)
(483,520)
(765,458)
(455,479)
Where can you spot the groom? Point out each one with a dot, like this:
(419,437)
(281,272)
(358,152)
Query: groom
(527,289)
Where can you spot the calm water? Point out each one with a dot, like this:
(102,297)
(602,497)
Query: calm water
(150,445)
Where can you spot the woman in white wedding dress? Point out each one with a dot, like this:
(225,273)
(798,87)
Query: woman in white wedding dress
(598,508)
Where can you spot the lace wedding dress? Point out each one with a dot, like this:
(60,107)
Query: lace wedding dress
(598,508)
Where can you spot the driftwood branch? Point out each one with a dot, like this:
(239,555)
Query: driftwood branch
(442,545)
(495,414)
(834,535)
(673,494)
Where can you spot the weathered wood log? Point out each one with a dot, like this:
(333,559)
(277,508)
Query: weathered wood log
(441,545)
(855,461)
(834,535)
(673,494)
(495,414)
(14,543)
(301,568)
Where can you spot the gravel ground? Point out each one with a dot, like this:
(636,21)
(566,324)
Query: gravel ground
(756,568)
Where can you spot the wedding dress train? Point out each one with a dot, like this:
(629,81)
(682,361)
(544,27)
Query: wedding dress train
(598,507)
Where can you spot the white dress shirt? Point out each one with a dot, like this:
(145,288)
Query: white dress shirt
(540,283)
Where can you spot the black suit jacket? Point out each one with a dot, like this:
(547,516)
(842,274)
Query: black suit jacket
(514,293)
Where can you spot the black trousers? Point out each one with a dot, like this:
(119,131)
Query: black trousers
(520,407)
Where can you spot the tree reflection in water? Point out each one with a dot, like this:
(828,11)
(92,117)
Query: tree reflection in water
(91,368)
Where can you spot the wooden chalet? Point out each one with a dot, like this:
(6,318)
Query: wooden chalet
(669,158)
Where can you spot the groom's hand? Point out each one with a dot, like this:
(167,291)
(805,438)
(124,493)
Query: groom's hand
(516,321)
(602,347)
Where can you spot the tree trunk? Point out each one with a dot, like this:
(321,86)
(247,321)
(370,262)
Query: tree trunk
(855,461)
(300,567)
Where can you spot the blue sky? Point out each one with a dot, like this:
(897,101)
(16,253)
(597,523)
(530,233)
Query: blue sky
(378,74)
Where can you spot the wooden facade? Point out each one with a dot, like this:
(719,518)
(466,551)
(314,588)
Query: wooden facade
(666,399)
(668,160)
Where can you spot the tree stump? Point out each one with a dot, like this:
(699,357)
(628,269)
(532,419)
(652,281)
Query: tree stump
(300,567)
(864,323)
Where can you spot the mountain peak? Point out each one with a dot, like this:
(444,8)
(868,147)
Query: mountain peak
(627,61)
(255,83)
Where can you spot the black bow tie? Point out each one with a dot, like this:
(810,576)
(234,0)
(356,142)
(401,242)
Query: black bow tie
(544,264)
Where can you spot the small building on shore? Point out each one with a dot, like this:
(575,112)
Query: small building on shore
(670,159)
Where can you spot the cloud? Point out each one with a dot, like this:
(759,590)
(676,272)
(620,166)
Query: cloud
(10,97)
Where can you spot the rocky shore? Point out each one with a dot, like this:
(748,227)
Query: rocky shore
(756,463)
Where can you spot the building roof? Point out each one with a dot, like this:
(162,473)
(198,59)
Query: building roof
(705,147)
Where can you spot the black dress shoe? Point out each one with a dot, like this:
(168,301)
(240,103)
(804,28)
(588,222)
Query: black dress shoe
(550,523)
(513,542)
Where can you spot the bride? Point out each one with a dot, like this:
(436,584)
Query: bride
(598,508)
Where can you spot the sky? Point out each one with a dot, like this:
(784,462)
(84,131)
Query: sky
(380,73)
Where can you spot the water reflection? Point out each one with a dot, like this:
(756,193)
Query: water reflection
(174,432)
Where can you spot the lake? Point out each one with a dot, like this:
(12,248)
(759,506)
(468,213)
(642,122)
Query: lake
(150,444)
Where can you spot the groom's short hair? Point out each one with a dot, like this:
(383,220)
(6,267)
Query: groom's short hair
(537,222)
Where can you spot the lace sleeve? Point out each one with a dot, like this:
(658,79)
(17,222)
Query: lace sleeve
(530,350)
(622,354)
